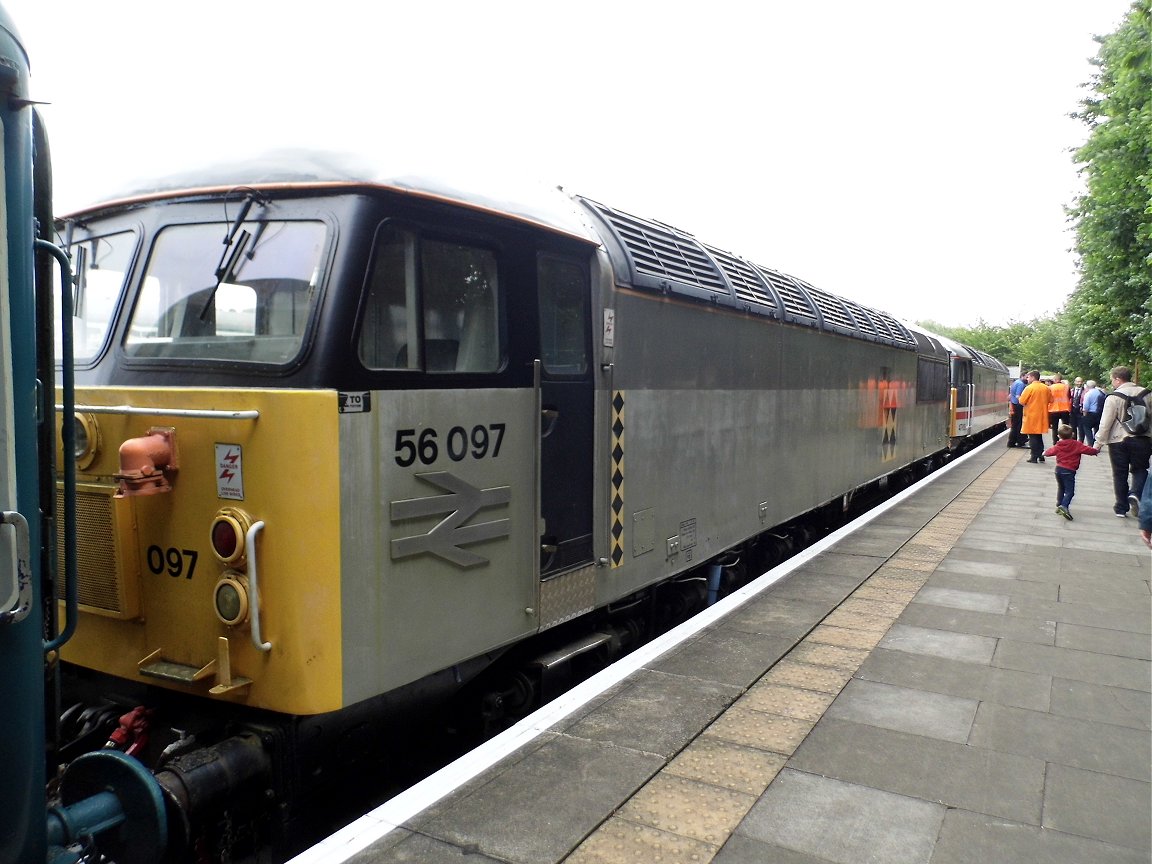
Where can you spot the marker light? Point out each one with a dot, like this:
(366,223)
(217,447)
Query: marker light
(87,439)
(227,535)
(230,599)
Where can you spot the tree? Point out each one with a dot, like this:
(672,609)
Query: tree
(1110,312)
(1042,343)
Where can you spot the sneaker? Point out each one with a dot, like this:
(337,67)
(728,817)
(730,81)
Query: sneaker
(1134,505)
(1063,511)
(1120,515)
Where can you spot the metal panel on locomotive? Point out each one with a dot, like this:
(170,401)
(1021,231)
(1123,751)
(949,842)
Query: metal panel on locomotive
(349,448)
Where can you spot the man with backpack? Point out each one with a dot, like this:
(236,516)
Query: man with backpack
(1126,429)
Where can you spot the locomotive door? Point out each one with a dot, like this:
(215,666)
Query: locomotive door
(965,401)
(566,423)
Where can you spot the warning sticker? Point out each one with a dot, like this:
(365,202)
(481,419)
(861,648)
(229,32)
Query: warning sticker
(355,403)
(229,472)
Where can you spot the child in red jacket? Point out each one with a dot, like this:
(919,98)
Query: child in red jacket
(1067,451)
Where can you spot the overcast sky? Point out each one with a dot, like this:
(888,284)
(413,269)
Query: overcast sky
(913,155)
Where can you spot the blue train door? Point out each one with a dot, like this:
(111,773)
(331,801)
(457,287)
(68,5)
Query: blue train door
(566,402)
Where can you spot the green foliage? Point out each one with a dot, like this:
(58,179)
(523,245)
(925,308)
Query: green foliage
(1108,319)
(1110,312)
(1042,343)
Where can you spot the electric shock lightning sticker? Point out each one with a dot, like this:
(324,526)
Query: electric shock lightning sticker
(229,472)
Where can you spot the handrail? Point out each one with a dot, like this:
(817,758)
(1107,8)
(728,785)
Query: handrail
(68,434)
(209,413)
(18,603)
(253,584)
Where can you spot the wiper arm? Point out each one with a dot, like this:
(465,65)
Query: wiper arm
(231,254)
(226,268)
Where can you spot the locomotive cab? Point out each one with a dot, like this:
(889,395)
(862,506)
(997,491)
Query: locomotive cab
(358,403)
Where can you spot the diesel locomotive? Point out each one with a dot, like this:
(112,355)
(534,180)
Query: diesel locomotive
(347,444)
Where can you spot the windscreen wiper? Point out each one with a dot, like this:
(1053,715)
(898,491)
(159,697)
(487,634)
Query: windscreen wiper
(235,242)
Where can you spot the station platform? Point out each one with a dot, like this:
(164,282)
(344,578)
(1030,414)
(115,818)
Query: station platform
(961,676)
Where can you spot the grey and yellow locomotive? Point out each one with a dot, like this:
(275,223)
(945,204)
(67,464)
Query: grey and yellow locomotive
(346,442)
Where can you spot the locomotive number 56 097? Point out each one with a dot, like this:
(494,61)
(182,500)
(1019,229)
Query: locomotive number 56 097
(459,443)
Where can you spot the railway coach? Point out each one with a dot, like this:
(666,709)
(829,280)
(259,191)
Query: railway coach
(346,443)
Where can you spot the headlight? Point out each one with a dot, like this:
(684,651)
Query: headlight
(230,599)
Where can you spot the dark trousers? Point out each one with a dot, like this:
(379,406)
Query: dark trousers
(1130,456)
(1089,423)
(1015,439)
(1036,446)
(1065,486)
(1055,418)
(1076,422)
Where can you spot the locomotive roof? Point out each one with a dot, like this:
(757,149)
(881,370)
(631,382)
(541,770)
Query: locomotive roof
(536,204)
(648,255)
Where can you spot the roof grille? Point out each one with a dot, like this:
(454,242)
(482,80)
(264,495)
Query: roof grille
(795,303)
(863,317)
(666,259)
(662,251)
(831,309)
(742,275)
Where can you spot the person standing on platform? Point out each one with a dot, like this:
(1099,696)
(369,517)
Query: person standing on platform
(1034,399)
(1016,412)
(1075,395)
(1060,409)
(1093,404)
(1128,452)
(1067,452)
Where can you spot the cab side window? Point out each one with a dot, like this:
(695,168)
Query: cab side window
(431,305)
(564,313)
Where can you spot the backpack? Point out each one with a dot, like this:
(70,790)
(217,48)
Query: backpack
(1135,419)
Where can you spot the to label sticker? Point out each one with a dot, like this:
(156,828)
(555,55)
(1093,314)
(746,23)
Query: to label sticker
(355,403)
(229,472)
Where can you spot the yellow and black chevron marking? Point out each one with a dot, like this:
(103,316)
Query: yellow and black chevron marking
(617,478)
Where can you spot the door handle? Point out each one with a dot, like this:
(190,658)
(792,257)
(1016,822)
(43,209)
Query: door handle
(549,416)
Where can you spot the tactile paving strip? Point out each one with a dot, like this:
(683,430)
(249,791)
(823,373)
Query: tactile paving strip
(688,810)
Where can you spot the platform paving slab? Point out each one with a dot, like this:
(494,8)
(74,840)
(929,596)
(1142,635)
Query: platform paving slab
(974,838)
(843,822)
(1103,807)
(903,709)
(725,656)
(957,678)
(1103,747)
(1100,640)
(773,615)
(956,775)
(1099,703)
(940,643)
(655,713)
(973,623)
(1095,668)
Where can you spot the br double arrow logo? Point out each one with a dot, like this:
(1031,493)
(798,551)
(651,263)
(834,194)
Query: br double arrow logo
(462,502)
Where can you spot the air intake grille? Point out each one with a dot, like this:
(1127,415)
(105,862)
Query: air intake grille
(795,303)
(665,259)
(102,588)
(742,275)
(663,252)
(831,309)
